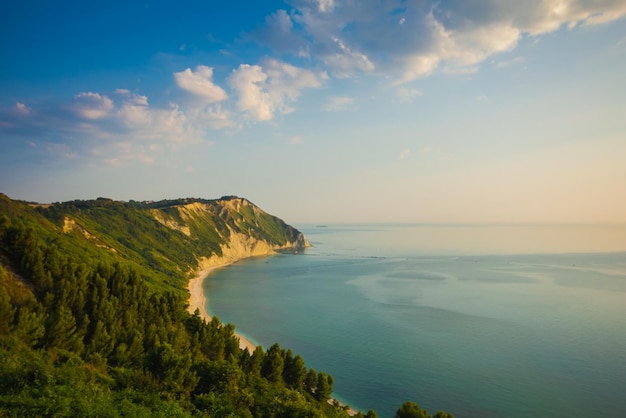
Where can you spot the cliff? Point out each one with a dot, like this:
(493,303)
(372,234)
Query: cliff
(167,241)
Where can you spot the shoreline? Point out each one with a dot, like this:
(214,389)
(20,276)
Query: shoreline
(197,300)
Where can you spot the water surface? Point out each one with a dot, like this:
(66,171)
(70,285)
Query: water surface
(476,320)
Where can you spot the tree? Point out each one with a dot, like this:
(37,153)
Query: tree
(370,414)
(311,381)
(61,331)
(324,387)
(6,310)
(273,364)
(411,410)
(29,327)
(252,363)
(172,370)
(294,372)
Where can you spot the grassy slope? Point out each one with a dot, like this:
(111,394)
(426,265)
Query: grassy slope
(128,232)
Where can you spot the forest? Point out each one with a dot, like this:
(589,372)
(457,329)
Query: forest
(94,321)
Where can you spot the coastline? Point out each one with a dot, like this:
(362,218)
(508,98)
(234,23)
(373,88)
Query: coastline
(197,300)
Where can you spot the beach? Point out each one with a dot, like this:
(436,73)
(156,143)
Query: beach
(197,300)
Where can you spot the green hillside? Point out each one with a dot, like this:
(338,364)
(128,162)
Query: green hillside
(162,241)
(93,318)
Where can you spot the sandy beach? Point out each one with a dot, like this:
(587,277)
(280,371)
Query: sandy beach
(197,300)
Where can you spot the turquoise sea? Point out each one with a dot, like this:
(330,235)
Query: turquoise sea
(478,320)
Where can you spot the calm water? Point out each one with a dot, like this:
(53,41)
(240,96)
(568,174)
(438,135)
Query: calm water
(489,321)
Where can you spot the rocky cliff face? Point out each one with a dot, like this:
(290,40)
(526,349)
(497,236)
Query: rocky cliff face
(243,228)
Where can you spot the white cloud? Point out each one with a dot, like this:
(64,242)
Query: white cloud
(407,40)
(98,129)
(216,117)
(344,62)
(200,83)
(396,39)
(338,103)
(419,66)
(248,81)
(295,140)
(405,153)
(92,106)
(21,109)
(264,90)
(286,81)
(135,112)
(325,5)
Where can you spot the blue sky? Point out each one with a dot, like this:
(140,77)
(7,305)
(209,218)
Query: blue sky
(322,110)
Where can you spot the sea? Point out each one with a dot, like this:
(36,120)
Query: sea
(477,320)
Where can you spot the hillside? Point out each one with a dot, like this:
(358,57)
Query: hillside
(93,318)
(165,241)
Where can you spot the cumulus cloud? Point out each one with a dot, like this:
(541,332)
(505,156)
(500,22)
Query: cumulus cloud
(200,83)
(98,127)
(399,40)
(215,117)
(288,81)
(249,83)
(408,40)
(264,90)
(325,5)
(92,106)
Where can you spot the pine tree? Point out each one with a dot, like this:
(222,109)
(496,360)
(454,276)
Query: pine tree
(324,387)
(61,331)
(273,364)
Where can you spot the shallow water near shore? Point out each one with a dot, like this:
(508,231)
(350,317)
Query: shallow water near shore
(485,321)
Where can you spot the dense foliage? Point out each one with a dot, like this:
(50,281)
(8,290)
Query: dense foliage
(91,325)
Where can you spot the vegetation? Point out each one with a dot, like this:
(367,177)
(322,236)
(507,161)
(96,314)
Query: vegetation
(412,410)
(93,318)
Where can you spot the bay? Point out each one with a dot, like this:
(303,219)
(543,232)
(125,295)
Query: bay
(477,320)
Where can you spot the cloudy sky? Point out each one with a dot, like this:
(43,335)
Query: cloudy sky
(321,110)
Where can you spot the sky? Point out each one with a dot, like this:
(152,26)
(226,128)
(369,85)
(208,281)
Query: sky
(465,111)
